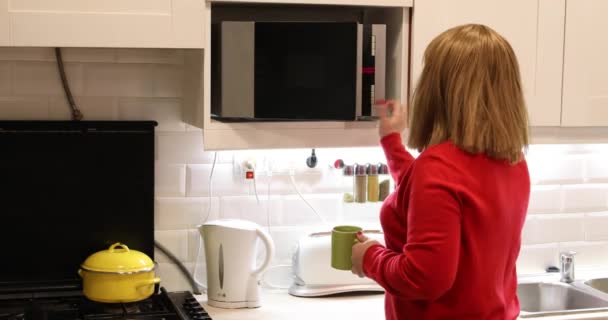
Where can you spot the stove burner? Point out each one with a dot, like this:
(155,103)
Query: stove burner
(13,316)
(163,306)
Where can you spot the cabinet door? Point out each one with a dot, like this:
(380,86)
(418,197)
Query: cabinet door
(585,94)
(534,28)
(107,23)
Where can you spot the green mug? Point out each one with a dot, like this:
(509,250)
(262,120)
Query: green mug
(342,240)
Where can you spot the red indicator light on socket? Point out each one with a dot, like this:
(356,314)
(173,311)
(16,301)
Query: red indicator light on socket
(249,175)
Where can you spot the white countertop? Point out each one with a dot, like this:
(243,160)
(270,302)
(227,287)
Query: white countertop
(279,305)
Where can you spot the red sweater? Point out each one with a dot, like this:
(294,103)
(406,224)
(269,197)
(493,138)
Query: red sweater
(453,232)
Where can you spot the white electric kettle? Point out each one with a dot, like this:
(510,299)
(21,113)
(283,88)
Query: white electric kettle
(230,252)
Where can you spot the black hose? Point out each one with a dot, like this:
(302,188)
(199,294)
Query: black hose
(180,265)
(76,114)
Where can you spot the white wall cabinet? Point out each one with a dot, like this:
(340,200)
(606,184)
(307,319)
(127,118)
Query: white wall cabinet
(107,23)
(533,27)
(585,93)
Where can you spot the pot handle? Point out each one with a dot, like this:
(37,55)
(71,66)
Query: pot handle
(269,251)
(118,244)
(148,282)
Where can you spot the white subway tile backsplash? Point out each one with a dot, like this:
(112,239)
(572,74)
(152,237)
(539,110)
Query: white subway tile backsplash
(545,170)
(184,213)
(597,168)
(314,182)
(248,208)
(362,213)
(537,258)
(225,157)
(596,226)
(92,108)
(24,108)
(531,230)
(167,112)
(194,241)
(198,180)
(328,208)
(588,254)
(176,241)
(282,184)
(170,180)
(286,241)
(560,228)
(545,199)
(132,80)
(5,78)
(224,183)
(33,78)
(182,147)
(578,198)
(172,279)
(279,276)
(596,149)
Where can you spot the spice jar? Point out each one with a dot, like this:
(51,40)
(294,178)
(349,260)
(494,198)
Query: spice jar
(372,183)
(360,184)
(349,179)
(384,188)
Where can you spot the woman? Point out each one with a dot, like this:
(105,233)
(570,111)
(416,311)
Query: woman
(453,225)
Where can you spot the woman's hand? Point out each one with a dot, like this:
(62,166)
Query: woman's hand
(358,253)
(393,117)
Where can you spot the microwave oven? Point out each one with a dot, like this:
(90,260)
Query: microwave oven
(296,71)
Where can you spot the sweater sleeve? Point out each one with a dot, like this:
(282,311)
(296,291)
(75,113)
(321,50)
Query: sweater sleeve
(426,268)
(399,160)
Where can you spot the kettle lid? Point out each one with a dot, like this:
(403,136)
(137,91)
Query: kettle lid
(233,224)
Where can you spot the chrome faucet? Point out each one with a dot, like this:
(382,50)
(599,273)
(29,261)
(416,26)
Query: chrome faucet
(567,261)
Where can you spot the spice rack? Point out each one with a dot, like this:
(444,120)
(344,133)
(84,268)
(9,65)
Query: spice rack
(371,182)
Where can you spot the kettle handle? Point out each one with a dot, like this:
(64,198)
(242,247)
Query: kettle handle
(269,251)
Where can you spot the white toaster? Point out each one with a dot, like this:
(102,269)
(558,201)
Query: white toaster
(313,274)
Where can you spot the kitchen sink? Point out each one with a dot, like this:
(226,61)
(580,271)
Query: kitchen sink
(598,284)
(543,299)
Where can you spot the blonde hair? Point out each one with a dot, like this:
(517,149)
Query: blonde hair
(470,93)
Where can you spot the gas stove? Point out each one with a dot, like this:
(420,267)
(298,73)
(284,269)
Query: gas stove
(162,306)
(87,184)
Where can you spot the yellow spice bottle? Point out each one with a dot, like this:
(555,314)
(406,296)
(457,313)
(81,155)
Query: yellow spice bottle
(372,183)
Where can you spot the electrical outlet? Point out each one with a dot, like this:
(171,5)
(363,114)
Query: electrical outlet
(241,165)
(248,169)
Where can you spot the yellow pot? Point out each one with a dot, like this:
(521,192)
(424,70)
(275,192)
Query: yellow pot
(118,275)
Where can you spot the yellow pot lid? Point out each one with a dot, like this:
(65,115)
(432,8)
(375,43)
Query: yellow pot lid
(119,259)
